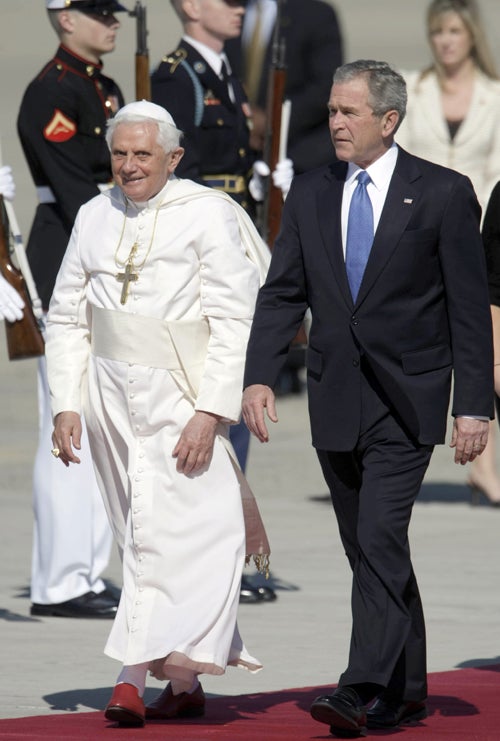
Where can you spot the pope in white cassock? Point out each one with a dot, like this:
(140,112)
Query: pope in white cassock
(146,335)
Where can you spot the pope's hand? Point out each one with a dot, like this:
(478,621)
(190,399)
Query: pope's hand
(7,185)
(195,445)
(67,437)
(11,303)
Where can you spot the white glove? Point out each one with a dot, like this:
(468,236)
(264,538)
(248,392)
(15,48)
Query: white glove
(7,185)
(11,303)
(283,176)
(256,186)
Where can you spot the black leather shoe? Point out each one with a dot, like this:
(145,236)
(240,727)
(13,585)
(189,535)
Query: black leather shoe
(266,594)
(386,713)
(250,592)
(343,711)
(89,605)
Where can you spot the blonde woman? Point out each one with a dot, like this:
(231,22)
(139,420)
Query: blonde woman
(453,119)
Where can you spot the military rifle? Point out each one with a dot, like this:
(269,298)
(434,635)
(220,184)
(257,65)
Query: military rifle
(24,338)
(276,134)
(142,79)
(277,122)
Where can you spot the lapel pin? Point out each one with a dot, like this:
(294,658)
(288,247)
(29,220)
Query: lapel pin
(407,200)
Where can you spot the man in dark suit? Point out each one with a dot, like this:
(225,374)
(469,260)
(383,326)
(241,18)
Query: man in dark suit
(393,317)
(314,49)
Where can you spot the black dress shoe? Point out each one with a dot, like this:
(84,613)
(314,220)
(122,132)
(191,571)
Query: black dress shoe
(387,713)
(111,591)
(266,594)
(89,605)
(343,711)
(248,595)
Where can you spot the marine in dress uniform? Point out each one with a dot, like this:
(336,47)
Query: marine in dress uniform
(61,124)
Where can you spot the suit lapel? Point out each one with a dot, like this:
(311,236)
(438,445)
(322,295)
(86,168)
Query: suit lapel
(481,97)
(399,204)
(329,206)
(430,95)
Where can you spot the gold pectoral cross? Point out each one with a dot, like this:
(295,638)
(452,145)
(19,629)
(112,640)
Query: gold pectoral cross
(126,278)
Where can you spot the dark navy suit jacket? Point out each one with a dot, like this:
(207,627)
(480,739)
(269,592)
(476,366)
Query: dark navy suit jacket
(422,312)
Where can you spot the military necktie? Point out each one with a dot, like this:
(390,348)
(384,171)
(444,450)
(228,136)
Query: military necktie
(224,72)
(359,233)
(226,78)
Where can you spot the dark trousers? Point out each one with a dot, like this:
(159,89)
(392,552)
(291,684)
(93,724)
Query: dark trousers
(373,489)
(240,440)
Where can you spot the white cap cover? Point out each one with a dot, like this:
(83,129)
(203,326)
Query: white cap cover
(101,7)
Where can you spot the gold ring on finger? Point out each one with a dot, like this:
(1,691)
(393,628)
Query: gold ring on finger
(55,452)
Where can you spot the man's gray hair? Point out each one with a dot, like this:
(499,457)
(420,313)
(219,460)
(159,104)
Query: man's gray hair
(168,137)
(387,87)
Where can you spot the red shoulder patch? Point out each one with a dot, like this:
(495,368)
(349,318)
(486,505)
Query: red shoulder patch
(60,128)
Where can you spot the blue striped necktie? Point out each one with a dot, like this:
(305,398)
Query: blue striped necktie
(359,233)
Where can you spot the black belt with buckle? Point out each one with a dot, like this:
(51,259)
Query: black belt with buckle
(227,183)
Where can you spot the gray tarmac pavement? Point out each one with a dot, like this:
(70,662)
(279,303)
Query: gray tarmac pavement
(52,665)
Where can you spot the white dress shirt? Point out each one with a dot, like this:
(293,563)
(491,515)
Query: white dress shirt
(380,172)
(213,59)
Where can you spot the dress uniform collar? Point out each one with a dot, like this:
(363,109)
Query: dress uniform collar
(213,59)
(77,64)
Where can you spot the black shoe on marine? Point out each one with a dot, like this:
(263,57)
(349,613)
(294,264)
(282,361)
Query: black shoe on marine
(90,605)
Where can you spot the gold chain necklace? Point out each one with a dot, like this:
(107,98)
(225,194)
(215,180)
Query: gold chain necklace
(131,272)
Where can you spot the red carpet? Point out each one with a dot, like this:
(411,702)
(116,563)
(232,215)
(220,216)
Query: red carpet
(464,705)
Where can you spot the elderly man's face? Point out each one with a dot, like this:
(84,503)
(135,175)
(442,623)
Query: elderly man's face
(357,134)
(140,165)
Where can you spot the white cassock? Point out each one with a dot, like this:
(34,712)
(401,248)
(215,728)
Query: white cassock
(137,370)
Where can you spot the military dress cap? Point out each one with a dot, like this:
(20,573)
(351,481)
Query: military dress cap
(101,7)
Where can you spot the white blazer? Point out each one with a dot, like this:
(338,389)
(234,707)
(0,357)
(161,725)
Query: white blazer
(475,150)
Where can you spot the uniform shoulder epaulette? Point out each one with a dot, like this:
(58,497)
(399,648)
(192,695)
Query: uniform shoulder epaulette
(175,59)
